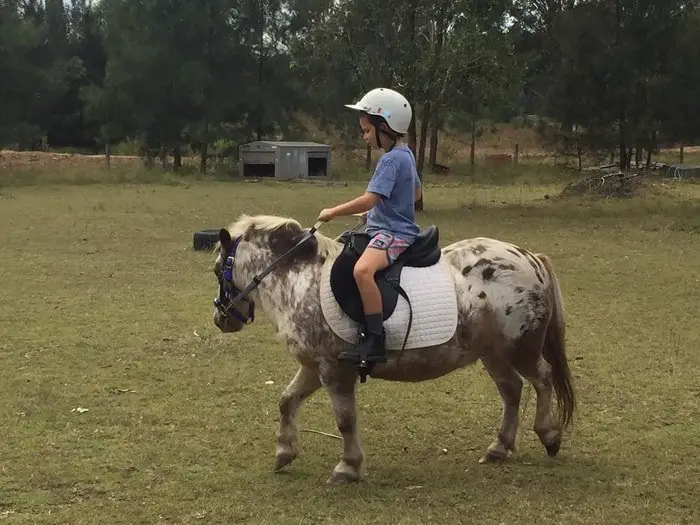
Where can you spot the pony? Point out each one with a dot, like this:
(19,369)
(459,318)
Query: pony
(509,314)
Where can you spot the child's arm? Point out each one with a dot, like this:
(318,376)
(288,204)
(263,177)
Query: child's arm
(419,189)
(361,204)
(379,187)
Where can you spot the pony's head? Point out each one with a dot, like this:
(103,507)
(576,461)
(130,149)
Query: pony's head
(246,249)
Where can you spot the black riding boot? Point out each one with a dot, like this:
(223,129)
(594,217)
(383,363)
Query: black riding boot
(371,349)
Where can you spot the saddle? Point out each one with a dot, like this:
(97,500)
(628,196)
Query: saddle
(425,251)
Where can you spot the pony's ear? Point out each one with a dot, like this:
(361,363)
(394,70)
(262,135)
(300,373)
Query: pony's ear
(225,239)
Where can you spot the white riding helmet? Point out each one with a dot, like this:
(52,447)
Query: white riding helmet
(389,104)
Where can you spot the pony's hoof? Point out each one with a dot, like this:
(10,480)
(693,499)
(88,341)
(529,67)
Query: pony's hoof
(282,459)
(496,453)
(342,478)
(553,448)
(490,457)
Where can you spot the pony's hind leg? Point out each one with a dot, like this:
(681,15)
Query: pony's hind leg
(305,383)
(540,375)
(510,387)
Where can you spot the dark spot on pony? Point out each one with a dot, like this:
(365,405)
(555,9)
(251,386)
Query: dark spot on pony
(535,300)
(482,295)
(286,237)
(506,267)
(519,289)
(509,310)
(478,249)
(488,273)
(469,288)
(466,270)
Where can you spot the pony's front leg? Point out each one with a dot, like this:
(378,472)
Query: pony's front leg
(305,383)
(341,390)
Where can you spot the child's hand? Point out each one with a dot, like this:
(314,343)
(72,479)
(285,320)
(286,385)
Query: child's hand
(325,215)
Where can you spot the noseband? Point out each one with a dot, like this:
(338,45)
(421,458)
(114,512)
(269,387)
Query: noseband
(230,295)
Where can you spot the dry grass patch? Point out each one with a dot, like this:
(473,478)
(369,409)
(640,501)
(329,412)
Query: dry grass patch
(104,306)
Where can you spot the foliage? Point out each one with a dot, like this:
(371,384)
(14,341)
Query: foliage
(182,75)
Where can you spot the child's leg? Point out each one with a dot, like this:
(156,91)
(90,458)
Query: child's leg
(379,254)
(371,261)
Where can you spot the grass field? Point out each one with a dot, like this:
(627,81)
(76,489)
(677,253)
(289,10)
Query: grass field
(122,403)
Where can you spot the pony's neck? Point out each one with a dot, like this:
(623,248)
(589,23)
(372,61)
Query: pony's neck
(290,294)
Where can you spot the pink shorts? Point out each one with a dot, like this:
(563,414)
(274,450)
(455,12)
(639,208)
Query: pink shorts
(392,245)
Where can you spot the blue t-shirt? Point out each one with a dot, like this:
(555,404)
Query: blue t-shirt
(395,180)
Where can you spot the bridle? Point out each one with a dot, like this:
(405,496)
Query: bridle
(230,295)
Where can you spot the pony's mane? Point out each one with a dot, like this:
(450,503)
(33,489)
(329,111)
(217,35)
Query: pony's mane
(247,224)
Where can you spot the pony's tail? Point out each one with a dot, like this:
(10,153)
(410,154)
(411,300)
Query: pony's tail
(555,350)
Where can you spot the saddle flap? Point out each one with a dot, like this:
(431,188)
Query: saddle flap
(344,287)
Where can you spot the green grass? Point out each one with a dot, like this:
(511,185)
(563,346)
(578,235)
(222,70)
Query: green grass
(104,305)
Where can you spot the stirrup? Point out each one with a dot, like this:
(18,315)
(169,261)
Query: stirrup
(362,358)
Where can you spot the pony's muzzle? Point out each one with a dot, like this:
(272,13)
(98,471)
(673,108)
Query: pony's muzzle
(223,321)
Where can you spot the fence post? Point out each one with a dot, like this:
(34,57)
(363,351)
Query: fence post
(681,155)
(516,154)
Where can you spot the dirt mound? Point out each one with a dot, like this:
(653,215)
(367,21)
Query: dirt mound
(42,159)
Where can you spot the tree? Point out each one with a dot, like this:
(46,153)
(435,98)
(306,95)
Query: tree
(21,90)
(604,67)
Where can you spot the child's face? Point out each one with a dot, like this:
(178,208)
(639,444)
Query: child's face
(368,132)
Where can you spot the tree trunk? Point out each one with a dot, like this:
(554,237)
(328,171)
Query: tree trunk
(472,147)
(410,88)
(261,72)
(629,158)
(412,139)
(437,58)
(580,159)
(623,155)
(423,136)
(411,81)
(419,202)
(651,148)
(177,158)
(203,158)
(435,126)
(108,154)
(163,154)
(621,113)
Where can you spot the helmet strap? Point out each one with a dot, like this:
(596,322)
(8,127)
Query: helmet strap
(378,121)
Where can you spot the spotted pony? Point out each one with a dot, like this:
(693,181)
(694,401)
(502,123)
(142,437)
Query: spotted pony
(510,316)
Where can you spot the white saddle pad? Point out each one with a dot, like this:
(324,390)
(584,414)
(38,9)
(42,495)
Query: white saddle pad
(433,299)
